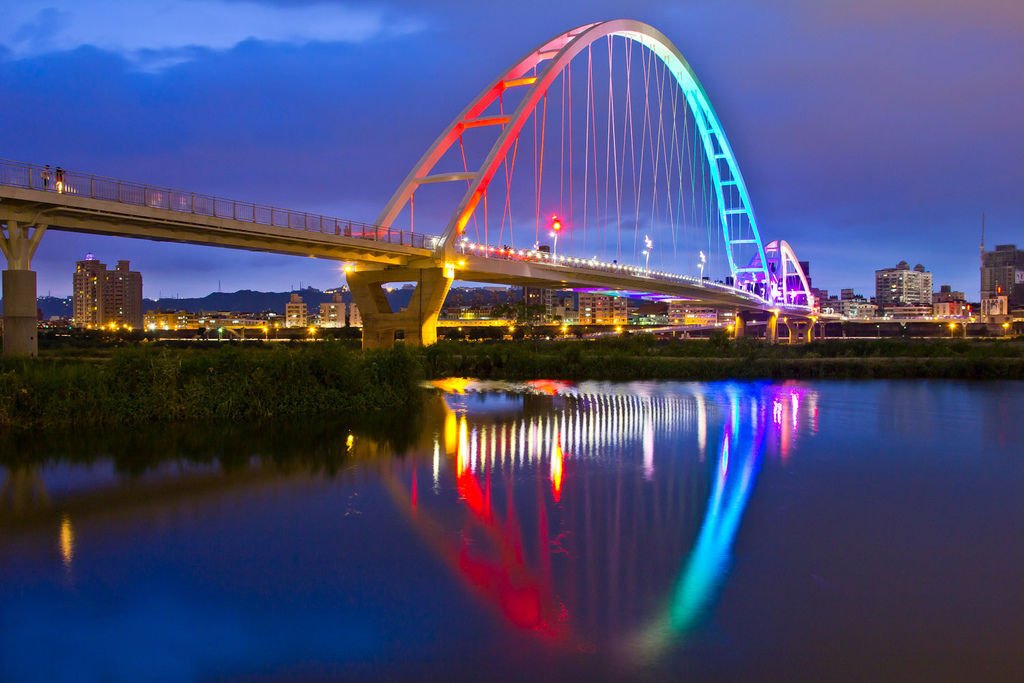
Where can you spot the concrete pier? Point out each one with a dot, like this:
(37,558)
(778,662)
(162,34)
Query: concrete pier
(18,244)
(417,323)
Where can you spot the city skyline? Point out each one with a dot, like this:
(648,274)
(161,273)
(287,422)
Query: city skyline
(157,111)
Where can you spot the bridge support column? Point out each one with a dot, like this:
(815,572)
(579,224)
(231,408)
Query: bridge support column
(809,332)
(771,332)
(801,329)
(739,325)
(418,322)
(21,329)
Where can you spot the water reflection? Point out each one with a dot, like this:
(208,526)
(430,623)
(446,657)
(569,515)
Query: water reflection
(67,541)
(591,517)
(546,592)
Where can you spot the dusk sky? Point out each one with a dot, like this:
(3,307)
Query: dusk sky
(869,131)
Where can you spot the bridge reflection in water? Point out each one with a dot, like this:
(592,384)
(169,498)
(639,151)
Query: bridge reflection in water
(594,517)
(587,564)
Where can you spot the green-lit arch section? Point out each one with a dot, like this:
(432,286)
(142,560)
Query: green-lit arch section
(735,213)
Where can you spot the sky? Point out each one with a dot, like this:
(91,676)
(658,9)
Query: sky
(868,132)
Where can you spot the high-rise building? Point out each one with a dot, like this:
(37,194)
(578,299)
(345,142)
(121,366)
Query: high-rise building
(122,298)
(332,313)
(902,286)
(104,297)
(295,312)
(1002,274)
(87,292)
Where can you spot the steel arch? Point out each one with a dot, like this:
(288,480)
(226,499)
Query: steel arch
(784,264)
(560,50)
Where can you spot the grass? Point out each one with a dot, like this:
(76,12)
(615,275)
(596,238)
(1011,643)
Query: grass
(226,382)
(644,357)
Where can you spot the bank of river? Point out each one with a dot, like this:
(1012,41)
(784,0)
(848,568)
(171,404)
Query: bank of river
(647,358)
(139,385)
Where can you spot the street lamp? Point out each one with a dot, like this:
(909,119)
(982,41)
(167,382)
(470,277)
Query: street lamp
(700,264)
(556,227)
(647,253)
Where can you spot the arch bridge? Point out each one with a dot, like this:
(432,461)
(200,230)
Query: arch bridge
(601,138)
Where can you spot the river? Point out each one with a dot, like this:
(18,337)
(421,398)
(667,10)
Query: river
(531,531)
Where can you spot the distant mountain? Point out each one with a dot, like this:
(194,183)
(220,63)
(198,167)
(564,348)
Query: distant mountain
(53,307)
(247,300)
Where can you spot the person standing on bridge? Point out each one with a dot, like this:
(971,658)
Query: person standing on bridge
(59,180)
(46,178)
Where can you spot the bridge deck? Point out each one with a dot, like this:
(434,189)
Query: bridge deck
(94,204)
(98,205)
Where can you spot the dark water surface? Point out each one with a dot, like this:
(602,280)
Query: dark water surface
(662,531)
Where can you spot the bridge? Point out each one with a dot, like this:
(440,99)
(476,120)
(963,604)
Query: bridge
(640,183)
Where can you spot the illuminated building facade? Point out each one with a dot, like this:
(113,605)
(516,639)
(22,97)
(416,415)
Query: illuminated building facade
(854,308)
(949,304)
(603,309)
(332,313)
(295,314)
(685,313)
(103,298)
(174,320)
(902,286)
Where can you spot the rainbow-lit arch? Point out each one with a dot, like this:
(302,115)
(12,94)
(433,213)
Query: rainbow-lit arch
(735,213)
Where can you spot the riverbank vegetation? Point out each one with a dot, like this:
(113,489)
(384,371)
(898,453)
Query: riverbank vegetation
(149,383)
(646,357)
(220,382)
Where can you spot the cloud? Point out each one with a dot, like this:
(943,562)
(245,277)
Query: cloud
(155,35)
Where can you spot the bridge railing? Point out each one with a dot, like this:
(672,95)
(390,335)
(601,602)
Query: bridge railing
(46,179)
